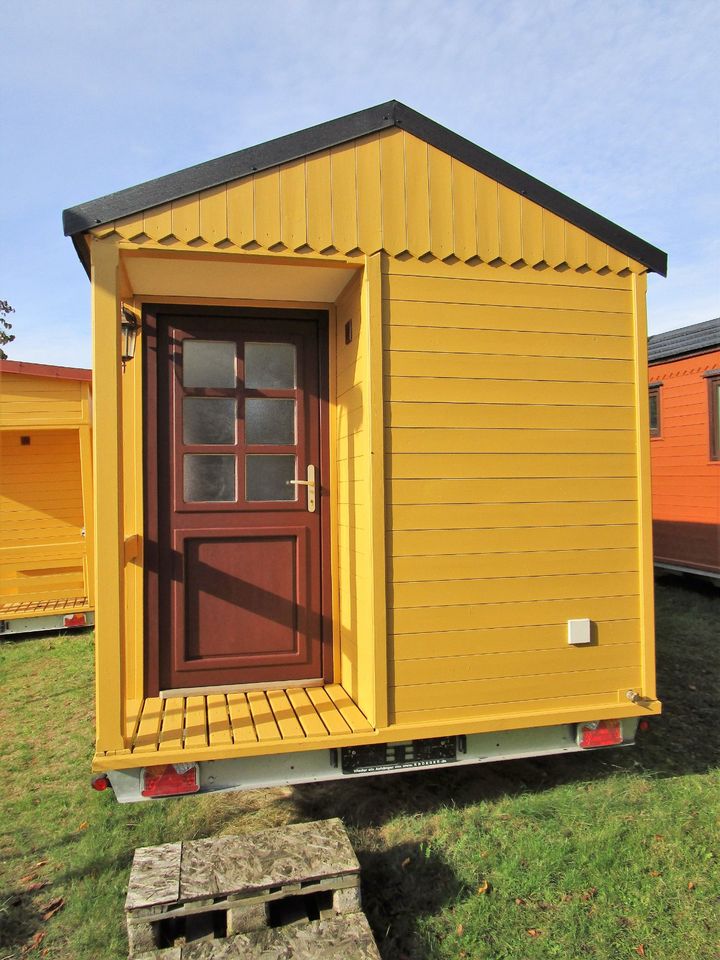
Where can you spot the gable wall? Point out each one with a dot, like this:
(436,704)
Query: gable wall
(390,192)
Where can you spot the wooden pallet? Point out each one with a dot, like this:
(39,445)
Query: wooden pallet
(348,937)
(261,885)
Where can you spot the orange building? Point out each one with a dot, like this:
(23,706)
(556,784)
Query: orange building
(684,380)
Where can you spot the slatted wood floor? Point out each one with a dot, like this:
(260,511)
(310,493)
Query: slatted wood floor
(30,608)
(294,715)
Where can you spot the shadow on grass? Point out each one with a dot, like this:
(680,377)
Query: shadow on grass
(19,920)
(405,881)
(683,740)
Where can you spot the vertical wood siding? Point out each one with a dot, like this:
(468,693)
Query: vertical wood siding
(351,412)
(389,191)
(511,476)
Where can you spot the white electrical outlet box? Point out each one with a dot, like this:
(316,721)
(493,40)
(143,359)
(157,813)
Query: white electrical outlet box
(579,632)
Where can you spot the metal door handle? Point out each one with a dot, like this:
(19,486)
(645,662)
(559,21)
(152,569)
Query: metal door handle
(310,484)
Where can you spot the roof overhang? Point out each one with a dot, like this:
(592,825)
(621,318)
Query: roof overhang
(234,166)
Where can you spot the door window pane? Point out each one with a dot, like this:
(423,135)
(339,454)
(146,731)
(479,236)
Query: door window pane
(269,366)
(269,421)
(266,477)
(209,477)
(209,420)
(208,363)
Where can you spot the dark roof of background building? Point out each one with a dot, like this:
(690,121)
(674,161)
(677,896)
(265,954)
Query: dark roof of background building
(244,163)
(684,341)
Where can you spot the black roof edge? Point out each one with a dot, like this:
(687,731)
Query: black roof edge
(233,166)
(82,252)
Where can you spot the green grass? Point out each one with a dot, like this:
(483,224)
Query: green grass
(602,855)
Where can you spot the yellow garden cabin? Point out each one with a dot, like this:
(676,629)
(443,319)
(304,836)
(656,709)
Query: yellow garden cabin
(46,541)
(372,484)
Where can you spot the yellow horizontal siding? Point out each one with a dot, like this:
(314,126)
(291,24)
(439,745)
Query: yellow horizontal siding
(416,597)
(477,566)
(513,714)
(475,440)
(449,390)
(388,191)
(502,666)
(532,688)
(525,640)
(408,363)
(533,418)
(471,466)
(528,513)
(43,554)
(461,340)
(512,319)
(27,401)
(470,492)
(511,478)
(514,613)
(432,545)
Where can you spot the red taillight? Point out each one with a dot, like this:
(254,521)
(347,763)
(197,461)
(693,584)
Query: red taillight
(599,733)
(75,620)
(644,726)
(100,783)
(173,780)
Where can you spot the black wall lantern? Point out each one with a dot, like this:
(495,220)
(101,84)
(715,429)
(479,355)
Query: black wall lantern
(128,333)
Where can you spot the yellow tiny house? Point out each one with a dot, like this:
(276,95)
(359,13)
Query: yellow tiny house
(377,478)
(46,543)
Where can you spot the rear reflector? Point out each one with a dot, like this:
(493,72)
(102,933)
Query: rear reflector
(100,783)
(75,620)
(599,733)
(172,780)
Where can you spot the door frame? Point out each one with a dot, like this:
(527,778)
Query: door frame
(151,474)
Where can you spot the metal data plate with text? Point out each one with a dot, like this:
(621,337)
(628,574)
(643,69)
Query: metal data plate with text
(375,758)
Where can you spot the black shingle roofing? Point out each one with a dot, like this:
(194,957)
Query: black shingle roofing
(334,132)
(685,341)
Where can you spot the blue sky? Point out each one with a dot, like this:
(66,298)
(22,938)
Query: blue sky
(615,103)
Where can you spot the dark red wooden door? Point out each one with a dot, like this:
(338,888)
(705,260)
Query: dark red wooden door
(239,425)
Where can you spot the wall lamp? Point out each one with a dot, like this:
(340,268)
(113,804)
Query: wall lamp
(128,334)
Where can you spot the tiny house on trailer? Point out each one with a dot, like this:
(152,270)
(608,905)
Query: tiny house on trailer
(373,483)
(46,503)
(684,383)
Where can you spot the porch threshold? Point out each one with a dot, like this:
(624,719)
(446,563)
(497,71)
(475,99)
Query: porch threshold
(235,724)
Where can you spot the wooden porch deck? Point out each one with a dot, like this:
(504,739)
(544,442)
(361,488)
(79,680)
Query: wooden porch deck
(234,723)
(37,608)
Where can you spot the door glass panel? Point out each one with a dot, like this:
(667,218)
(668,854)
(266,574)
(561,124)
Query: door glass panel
(266,477)
(270,366)
(269,421)
(209,477)
(209,420)
(208,363)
